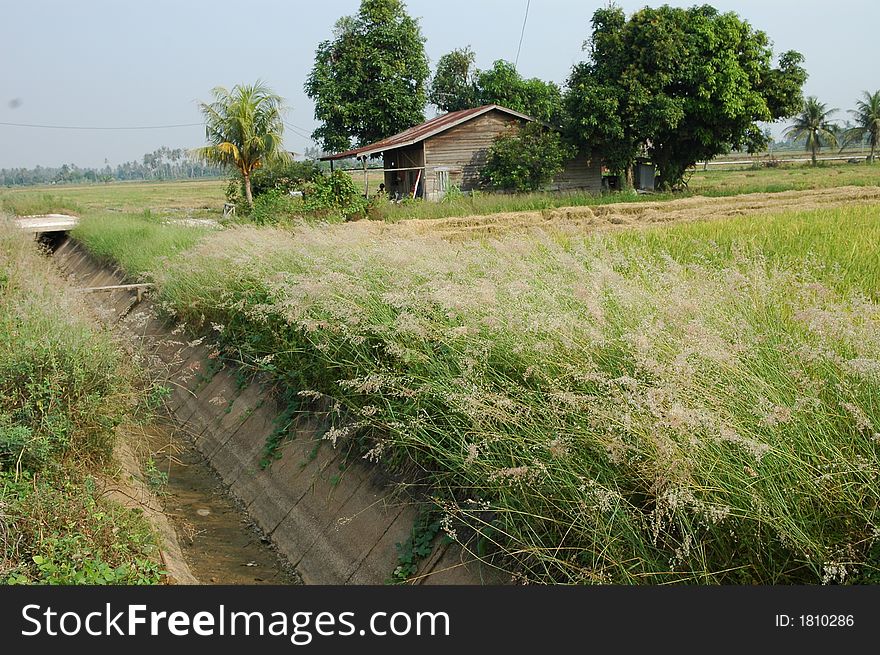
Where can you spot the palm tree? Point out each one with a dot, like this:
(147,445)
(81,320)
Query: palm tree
(813,126)
(244,128)
(867,117)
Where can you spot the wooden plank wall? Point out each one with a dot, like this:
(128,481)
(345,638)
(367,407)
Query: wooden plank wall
(580,174)
(463,150)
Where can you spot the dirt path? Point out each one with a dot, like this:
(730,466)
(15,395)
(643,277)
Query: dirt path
(636,214)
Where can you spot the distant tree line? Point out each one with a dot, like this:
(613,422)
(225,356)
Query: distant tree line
(162,164)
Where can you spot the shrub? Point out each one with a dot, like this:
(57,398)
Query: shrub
(18,443)
(335,196)
(274,207)
(277,179)
(284,177)
(64,532)
(526,159)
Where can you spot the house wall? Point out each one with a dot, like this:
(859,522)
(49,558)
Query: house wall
(580,174)
(461,152)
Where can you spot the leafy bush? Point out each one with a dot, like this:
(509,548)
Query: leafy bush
(64,533)
(285,177)
(64,389)
(19,444)
(526,159)
(275,206)
(277,179)
(335,196)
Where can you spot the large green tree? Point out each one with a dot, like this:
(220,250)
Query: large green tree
(503,85)
(813,126)
(369,80)
(678,86)
(457,84)
(867,115)
(453,86)
(244,128)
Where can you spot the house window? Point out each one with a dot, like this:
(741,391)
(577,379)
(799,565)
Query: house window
(442,180)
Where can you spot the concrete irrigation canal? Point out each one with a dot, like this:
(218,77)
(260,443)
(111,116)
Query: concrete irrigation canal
(315,515)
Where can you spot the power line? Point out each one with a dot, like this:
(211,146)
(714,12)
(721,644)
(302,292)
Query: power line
(300,132)
(296,127)
(523,34)
(83,127)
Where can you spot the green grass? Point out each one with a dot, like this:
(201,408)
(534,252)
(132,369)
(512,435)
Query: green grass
(136,243)
(483,204)
(64,389)
(837,246)
(204,199)
(784,178)
(200,199)
(27,204)
(691,404)
(711,183)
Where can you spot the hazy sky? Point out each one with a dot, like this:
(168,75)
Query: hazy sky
(121,64)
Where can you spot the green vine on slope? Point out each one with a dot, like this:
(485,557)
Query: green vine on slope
(414,550)
(280,434)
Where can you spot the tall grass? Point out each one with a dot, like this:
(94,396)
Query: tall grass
(135,242)
(21,204)
(837,246)
(483,204)
(64,389)
(588,410)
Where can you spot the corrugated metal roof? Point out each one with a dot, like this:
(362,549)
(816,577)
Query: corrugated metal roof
(426,130)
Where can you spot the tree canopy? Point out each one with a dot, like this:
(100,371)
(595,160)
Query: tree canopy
(503,85)
(457,84)
(453,87)
(677,86)
(244,128)
(368,82)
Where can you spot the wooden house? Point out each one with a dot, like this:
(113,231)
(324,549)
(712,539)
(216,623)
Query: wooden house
(426,160)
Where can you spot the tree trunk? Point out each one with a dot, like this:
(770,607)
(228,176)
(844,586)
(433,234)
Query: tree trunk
(627,180)
(815,161)
(249,196)
(871,158)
